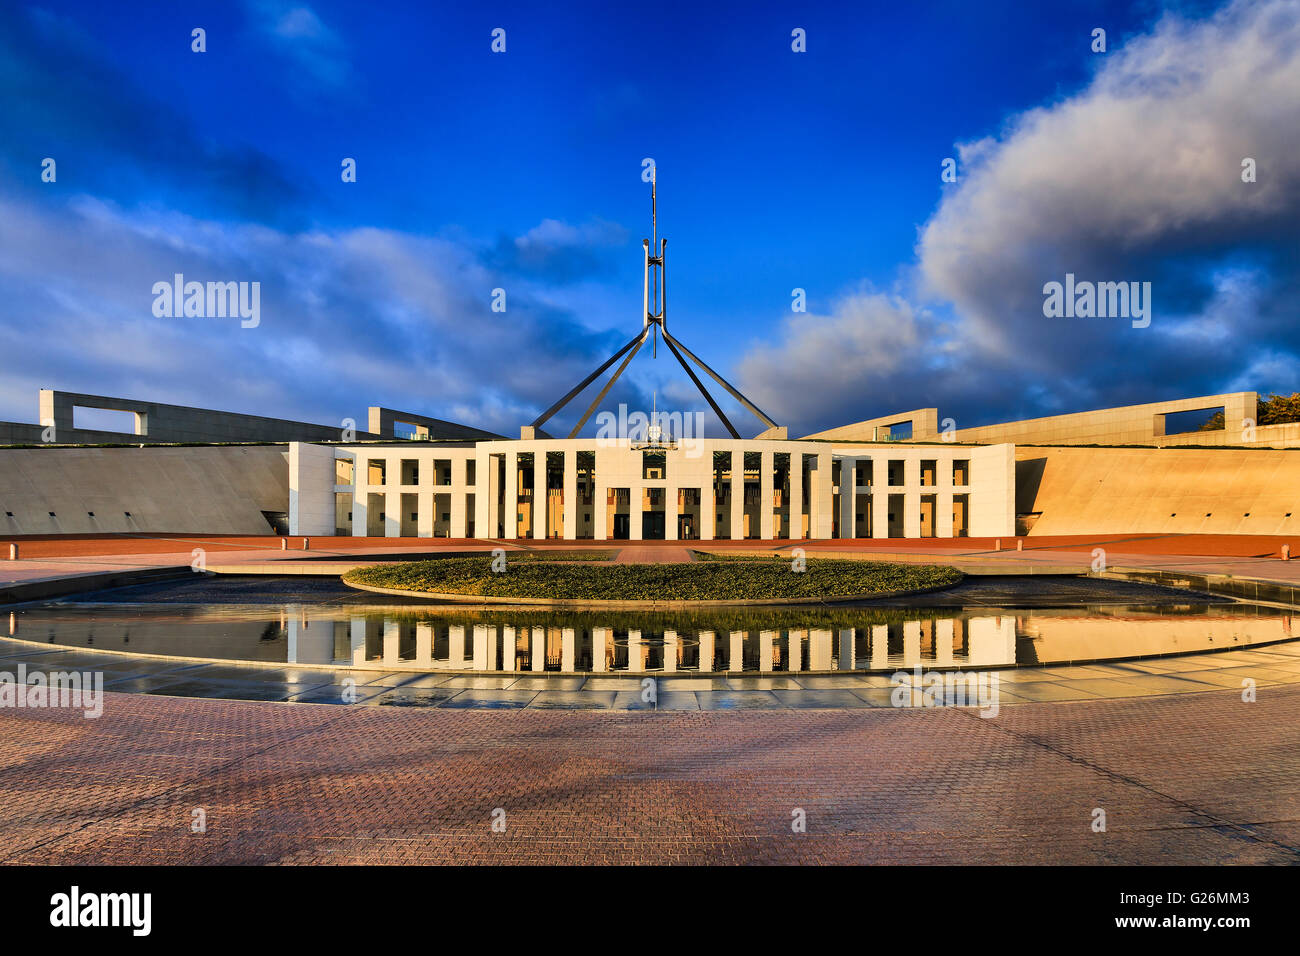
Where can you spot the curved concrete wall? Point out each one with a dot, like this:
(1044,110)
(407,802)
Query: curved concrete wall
(210,490)
(1159,490)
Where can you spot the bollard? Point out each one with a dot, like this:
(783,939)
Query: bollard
(306,543)
(1286,552)
(13,552)
(284,544)
(997,544)
(1020,545)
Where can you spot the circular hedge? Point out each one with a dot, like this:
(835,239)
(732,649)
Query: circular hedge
(739,581)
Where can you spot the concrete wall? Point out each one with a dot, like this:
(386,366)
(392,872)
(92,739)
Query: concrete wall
(924,422)
(214,490)
(311,489)
(1159,490)
(1129,425)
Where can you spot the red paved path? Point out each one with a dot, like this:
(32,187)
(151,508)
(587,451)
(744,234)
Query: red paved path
(1198,778)
(1225,545)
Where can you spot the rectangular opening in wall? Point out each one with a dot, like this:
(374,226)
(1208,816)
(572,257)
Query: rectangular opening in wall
(471,472)
(345,470)
(442,472)
(654,465)
(377,472)
(1194,420)
(895,516)
(928,470)
(103,420)
(928,511)
(960,515)
(410,471)
(898,431)
(410,523)
(895,471)
(961,471)
(409,431)
(343,513)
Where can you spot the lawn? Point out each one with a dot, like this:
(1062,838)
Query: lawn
(759,580)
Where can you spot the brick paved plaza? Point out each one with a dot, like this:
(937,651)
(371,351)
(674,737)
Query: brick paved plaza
(1194,778)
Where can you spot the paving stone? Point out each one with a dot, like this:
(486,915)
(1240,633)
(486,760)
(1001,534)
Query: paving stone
(1197,778)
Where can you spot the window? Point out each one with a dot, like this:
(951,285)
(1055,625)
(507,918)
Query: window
(410,471)
(345,470)
(471,470)
(895,471)
(928,470)
(961,471)
(377,472)
(654,465)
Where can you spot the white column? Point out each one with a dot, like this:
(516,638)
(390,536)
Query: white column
(736,651)
(766,492)
(879,646)
(880,501)
(708,506)
(635,652)
(568,650)
(456,647)
(538,654)
(912,498)
(670,513)
(822,497)
(600,500)
(820,657)
(795,509)
(479,648)
(848,653)
(427,512)
(392,642)
(392,512)
(599,641)
(794,651)
(706,651)
(424,645)
(485,482)
(570,495)
(635,510)
(358,640)
(766,645)
(459,497)
(539,494)
(846,497)
(671,644)
(510,507)
(737,495)
(943,514)
(509,648)
(943,636)
(360,496)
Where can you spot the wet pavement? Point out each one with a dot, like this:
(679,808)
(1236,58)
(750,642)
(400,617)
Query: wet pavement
(1273,664)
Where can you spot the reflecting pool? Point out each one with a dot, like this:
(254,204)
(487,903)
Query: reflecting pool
(337,628)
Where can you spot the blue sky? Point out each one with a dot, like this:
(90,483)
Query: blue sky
(521,170)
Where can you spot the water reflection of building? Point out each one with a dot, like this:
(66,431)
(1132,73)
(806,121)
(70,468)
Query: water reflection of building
(987,640)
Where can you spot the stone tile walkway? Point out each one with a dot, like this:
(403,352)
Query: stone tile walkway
(1183,779)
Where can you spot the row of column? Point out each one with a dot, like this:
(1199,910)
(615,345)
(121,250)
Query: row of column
(475,647)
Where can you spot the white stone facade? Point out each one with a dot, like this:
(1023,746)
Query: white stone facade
(703,489)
